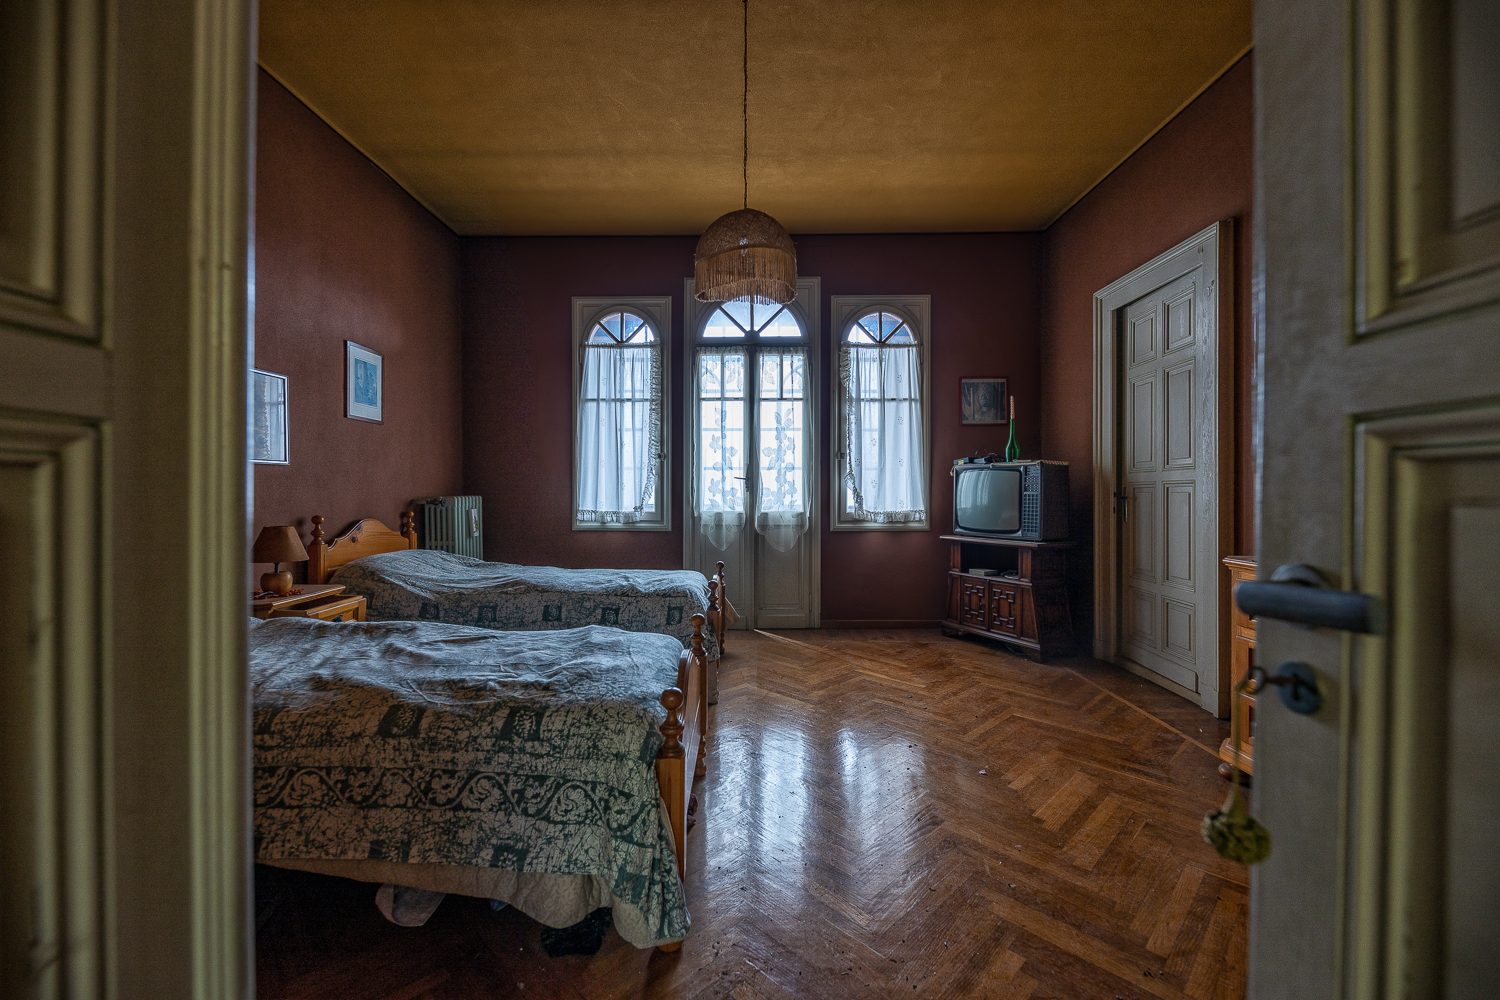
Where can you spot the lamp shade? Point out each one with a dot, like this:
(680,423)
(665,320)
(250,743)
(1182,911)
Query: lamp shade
(745,255)
(278,543)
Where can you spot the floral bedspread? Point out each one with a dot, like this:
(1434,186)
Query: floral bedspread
(428,743)
(427,585)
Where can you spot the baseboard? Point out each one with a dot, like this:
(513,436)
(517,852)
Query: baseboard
(1156,678)
(878,623)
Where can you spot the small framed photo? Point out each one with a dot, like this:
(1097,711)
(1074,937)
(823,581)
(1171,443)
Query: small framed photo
(269,440)
(364,383)
(984,400)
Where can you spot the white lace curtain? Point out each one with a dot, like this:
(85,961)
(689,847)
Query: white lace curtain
(728,384)
(719,486)
(783,504)
(882,388)
(619,432)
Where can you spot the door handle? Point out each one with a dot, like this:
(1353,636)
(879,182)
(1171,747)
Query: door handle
(1298,593)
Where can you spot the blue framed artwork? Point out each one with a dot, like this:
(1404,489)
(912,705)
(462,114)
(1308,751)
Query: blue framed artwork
(364,383)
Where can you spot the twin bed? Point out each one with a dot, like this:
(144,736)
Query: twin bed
(550,768)
(401,582)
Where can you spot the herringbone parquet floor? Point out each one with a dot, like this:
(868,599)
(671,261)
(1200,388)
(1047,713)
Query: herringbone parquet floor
(887,814)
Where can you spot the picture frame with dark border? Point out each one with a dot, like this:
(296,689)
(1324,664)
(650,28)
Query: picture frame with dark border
(364,383)
(270,435)
(983,400)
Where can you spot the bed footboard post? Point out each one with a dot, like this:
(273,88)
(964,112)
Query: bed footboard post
(671,773)
(700,768)
(315,552)
(409,528)
(720,628)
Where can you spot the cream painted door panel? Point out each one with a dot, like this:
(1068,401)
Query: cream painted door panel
(1379,212)
(1165,609)
(124,152)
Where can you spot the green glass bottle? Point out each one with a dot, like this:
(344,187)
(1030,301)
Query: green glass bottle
(1012,450)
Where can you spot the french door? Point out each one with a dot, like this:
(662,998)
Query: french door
(752,469)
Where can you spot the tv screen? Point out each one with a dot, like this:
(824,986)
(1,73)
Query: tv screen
(987,500)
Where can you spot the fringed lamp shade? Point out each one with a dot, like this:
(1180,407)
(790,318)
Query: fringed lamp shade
(745,255)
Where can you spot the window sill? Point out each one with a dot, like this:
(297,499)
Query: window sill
(839,525)
(616,526)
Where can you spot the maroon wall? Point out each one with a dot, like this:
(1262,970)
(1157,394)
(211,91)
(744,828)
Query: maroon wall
(985,321)
(1196,171)
(342,253)
(518,390)
(518,394)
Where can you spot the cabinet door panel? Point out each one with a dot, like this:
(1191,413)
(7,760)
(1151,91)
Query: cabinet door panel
(972,605)
(1004,609)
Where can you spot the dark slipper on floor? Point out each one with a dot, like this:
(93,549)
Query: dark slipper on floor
(583,938)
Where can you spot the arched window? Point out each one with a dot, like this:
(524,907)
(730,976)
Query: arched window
(746,321)
(621,328)
(881,461)
(619,444)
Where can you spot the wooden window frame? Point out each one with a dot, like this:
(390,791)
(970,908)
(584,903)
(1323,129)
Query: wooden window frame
(843,311)
(657,311)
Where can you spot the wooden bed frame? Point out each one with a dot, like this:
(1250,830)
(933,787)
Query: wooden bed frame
(685,731)
(684,738)
(369,537)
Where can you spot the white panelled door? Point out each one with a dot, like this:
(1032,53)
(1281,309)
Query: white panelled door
(1378,148)
(125,153)
(1172,517)
(751,479)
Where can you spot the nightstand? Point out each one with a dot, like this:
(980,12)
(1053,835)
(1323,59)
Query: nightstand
(267,607)
(333,608)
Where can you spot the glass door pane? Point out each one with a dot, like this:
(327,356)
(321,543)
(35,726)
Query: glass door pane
(782,433)
(721,483)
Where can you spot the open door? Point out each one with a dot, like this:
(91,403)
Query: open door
(1378,218)
(124,201)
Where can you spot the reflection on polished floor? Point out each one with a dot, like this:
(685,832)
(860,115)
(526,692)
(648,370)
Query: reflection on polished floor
(886,814)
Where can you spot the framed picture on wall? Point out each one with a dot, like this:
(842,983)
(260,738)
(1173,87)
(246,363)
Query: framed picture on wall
(984,400)
(269,441)
(364,383)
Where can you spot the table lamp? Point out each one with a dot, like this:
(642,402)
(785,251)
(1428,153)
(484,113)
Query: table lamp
(278,544)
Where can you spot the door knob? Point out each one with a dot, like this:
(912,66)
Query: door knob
(1299,593)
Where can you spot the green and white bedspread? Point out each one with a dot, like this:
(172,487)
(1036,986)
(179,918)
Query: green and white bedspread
(427,585)
(421,742)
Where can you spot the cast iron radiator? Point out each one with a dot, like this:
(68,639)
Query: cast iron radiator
(452,524)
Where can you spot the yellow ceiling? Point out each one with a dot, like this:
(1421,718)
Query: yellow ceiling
(529,117)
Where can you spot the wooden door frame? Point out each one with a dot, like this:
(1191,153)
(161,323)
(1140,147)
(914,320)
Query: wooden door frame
(1213,249)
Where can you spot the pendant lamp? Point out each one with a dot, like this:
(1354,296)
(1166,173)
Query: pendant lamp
(745,254)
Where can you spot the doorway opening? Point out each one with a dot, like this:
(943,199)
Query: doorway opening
(1163,473)
(752,469)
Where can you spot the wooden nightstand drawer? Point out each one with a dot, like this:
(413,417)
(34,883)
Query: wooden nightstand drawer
(334,608)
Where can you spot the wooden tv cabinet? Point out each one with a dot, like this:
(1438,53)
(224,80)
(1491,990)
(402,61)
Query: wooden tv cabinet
(1028,609)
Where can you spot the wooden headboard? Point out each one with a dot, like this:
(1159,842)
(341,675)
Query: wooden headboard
(367,538)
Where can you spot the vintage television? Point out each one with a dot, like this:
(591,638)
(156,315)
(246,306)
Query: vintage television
(1023,500)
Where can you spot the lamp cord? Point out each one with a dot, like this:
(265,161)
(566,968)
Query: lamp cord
(745,106)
